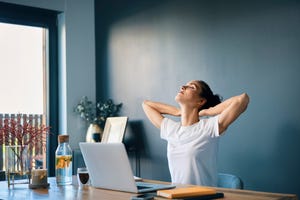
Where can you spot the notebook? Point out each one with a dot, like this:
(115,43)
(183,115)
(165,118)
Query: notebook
(109,168)
(186,192)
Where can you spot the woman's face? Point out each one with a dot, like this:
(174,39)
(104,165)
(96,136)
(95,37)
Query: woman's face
(189,94)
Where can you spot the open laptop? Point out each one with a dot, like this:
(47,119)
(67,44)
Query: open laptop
(109,168)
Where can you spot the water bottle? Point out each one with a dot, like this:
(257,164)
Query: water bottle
(63,161)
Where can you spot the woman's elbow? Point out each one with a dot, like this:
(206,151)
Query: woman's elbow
(244,100)
(144,103)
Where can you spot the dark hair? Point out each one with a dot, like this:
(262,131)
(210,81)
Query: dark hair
(211,99)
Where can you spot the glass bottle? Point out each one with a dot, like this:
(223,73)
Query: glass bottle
(63,161)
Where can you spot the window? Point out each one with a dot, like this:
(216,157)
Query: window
(23,67)
(44,23)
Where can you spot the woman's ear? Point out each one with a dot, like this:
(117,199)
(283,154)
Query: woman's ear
(201,102)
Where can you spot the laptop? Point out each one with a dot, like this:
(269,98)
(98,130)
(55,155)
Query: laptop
(109,168)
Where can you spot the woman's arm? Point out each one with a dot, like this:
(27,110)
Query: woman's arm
(229,110)
(155,111)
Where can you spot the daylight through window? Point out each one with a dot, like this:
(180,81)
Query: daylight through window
(23,64)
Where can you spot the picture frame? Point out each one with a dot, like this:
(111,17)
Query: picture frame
(114,129)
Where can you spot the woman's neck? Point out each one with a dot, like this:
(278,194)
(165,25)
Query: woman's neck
(189,116)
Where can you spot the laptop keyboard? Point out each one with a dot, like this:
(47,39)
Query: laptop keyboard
(142,187)
(152,186)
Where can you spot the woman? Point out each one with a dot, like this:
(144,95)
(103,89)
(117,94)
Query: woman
(193,142)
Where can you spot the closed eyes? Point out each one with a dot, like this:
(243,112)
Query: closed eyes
(189,86)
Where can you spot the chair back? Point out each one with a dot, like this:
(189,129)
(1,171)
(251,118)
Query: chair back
(229,181)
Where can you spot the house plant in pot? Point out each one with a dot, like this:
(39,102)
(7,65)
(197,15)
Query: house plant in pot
(95,114)
(24,139)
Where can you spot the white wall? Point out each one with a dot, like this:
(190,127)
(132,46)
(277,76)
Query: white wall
(76,59)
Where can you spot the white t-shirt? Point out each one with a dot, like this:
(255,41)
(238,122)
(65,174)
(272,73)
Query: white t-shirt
(192,151)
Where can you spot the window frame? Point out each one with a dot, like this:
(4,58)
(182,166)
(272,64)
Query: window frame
(25,15)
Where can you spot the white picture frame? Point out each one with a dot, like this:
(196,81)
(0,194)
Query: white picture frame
(114,129)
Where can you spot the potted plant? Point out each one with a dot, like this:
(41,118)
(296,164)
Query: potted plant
(95,114)
(23,139)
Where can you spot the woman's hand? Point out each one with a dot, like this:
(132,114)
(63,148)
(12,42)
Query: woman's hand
(155,111)
(203,112)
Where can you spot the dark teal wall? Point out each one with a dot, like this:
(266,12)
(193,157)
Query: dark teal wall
(147,50)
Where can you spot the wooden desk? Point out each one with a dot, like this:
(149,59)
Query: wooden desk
(73,192)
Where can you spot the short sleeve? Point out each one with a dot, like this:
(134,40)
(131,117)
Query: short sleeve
(212,126)
(163,128)
(167,127)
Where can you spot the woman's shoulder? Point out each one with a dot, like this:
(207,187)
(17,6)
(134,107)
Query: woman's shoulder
(206,119)
(210,125)
(170,121)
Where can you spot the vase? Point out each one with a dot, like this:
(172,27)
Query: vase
(94,133)
(17,163)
